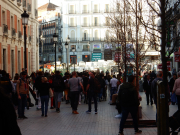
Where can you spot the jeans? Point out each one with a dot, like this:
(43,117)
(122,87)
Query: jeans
(178,100)
(113,91)
(125,111)
(101,93)
(44,101)
(94,96)
(21,104)
(74,100)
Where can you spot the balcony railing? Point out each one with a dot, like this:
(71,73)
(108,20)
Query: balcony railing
(85,39)
(96,11)
(85,25)
(72,51)
(96,24)
(96,39)
(107,11)
(72,25)
(86,50)
(24,4)
(19,34)
(13,32)
(19,2)
(29,38)
(73,40)
(85,11)
(72,11)
(29,8)
(107,24)
(5,29)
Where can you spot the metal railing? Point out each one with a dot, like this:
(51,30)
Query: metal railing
(85,25)
(96,24)
(24,3)
(73,40)
(13,32)
(29,38)
(72,51)
(107,11)
(96,39)
(72,25)
(5,29)
(86,39)
(107,24)
(96,11)
(19,34)
(72,11)
(85,11)
(86,50)
(29,7)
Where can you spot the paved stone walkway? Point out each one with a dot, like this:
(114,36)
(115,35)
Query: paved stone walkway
(66,123)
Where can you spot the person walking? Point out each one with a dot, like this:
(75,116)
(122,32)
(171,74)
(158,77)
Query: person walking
(171,85)
(176,90)
(128,100)
(85,83)
(92,89)
(23,94)
(103,85)
(147,89)
(58,86)
(43,92)
(74,85)
(113,83)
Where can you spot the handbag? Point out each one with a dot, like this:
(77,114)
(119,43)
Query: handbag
(50,93)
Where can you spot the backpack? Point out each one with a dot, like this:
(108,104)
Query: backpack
(56,82)
(97,85)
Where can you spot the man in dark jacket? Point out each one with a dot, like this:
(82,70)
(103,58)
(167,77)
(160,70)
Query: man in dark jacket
(147,89)
(128,98)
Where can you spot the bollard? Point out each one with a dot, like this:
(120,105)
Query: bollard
(162,110)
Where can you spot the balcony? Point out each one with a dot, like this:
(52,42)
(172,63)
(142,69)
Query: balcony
(72,51)
(86,50)
(73,39)
(107,11)
(19,34)
(29,39)
(19,2)
(96,39)
(72,12)
(96,11)
(13,33)
(24,5)
(85,11)
(5,30)
(85,39)
(107,24)
(29,8)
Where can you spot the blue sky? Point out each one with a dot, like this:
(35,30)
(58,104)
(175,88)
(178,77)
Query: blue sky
(43,2)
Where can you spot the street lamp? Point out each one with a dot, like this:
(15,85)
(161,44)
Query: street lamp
(67,46)
(55,39)
(73,49)
(25,18)
(42,39)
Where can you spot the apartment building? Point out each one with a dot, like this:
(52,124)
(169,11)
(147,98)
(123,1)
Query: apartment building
(49,23)
(12,36)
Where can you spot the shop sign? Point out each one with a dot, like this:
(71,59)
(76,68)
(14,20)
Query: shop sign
(168,65)
(97,47)
(177,56)
(96,56)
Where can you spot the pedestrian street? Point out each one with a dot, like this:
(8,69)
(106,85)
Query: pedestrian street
(66,123)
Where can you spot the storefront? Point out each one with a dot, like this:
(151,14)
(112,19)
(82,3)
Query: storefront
(73,59)
(86,58)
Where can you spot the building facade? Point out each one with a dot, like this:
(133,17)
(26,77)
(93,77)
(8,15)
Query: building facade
(49,23)
(12,36)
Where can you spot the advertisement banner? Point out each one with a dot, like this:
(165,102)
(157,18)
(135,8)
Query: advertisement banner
(108,46)
(97,47)
(96,56)
(168,66)
(177,56)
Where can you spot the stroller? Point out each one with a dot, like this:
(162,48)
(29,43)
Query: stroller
(174,123)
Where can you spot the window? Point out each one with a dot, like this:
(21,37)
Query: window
(118,7)
(96,35)
(107,8)
(71,9)
(85,21)
(85,35)
(85,9)
(95,8)
(18,25)
(73,46)
(86,48)
(12,26)
(72,22)
(129,35)
(72,35)
(95,21)
(3,17)
(107,21)
(107,34)
(141,47)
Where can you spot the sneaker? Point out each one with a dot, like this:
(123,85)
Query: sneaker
(121,133)
(88,112)
(24,117)
(96,112)
(118,116)
(51,107)
(45,115)
(138,131)
(20,117)
(58,110)
(42,115)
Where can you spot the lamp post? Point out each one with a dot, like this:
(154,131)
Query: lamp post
(67,46)
(25,18)
(42,39)
(73,49)
(55,38)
